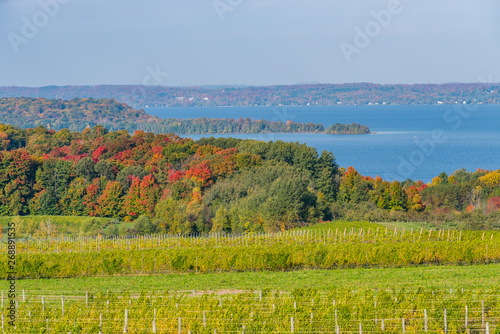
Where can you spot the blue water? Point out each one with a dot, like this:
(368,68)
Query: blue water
(417,142)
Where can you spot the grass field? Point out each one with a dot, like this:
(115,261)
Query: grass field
(439,277)
(60,225)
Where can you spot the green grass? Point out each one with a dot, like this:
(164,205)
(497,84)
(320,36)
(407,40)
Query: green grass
(64,225)
(340,224)
(480,276)
(58,220)
(407,226)
(426,225)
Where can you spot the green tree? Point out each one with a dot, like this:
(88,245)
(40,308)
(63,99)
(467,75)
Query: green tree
(85,168)
(398,197)
(144,225)
(222,221)
(104,169)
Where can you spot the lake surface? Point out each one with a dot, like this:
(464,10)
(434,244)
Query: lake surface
(417,142)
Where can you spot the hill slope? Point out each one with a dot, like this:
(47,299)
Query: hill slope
(308,94)
(78,114)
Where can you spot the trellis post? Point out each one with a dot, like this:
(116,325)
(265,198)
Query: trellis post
(482,313)
(445,322)
(126,322)
(425,320)
(466,316)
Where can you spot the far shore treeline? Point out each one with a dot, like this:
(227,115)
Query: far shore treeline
(178,185)
(78,114)
(287,95)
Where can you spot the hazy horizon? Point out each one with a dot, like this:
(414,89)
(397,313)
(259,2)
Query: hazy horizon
(247,43)
(245,86)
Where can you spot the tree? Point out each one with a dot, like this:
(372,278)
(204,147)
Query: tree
(144,225)
(125,176)
(414,199)
(52,180)
(222,221)
(85,168)
(109,204)
(384,201)
(436,181)
(44,203)
(493,204)
(398,197)
(104,169)
(17,177)
(201,174)
(71,202)
(141,198)
(353,187)
(90,199)
(326,174)
(173,215)
(132,207)
(491,179)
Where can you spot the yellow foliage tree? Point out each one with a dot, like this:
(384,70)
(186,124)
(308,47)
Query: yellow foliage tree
(436,181)
(491,179)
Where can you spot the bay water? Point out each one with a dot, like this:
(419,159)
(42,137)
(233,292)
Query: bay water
(417,142)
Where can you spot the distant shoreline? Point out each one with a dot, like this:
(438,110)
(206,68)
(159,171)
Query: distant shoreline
(345,94)
(322,106)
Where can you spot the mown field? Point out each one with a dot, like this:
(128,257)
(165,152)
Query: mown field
(337,277)
(438,277)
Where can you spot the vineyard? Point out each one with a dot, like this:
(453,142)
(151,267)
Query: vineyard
(371,246)
(301,311)
(411,309)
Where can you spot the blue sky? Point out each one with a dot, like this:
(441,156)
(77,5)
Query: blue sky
(252,42)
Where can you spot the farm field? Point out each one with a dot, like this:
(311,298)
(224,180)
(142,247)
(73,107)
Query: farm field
(364,247)
(302,311)
(337,277)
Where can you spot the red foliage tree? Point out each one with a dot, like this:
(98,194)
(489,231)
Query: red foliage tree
(493,204)
(109,204)
(200,174)
(141,198)
(100,151)
(90,199)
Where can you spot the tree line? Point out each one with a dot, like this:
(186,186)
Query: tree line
(305,94)
(183,185)
(179,185)
(79,114)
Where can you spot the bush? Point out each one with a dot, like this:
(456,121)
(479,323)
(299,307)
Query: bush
(144,225)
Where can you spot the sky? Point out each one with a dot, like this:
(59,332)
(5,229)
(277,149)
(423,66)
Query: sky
(247,42)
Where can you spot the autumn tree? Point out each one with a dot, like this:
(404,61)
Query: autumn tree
(398,197)
(141,198)
(109,204)
(493,204)
(17,177)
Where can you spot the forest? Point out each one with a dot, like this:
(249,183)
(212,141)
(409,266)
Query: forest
(79,114)
(350,129)
(166,183)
